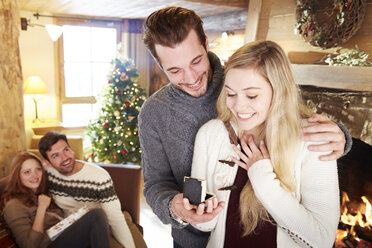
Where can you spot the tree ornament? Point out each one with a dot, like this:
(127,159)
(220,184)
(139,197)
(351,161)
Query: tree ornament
(124,152)
(127,104)
(105,125)
(123,76)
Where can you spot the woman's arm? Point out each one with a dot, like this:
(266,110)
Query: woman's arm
(43,204)
(311,220)
(18,217)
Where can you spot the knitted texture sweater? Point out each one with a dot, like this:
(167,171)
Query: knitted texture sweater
(20,219)
(307,217)
(92,186)
(168,123)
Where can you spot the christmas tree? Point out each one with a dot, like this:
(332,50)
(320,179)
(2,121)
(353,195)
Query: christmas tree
(114,134)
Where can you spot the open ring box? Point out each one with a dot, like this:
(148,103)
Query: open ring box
(194,189)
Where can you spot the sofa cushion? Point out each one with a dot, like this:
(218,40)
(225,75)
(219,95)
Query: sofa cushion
(5,237)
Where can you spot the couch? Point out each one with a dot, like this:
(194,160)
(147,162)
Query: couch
(127,184)
(32,142)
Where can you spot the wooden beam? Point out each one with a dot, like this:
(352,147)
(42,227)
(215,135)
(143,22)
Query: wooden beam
(225,22)
(254,12)
(339,77)
(12,127)
(230,3)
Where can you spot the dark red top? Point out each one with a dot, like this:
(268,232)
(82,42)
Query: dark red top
(265,235)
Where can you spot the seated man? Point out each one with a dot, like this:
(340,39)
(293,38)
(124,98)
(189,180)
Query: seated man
(75,184)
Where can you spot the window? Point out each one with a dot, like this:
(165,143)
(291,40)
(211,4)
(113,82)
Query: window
(86,54)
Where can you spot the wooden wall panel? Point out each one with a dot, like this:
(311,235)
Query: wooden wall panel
(12,130)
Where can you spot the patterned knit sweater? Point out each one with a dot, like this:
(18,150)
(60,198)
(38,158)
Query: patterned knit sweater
(91,186)
(168,123)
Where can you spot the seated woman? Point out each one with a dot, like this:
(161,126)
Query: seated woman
(279,196)
(29,211)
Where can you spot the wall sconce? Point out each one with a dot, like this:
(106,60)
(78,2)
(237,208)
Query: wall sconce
(34,85)
(54,31)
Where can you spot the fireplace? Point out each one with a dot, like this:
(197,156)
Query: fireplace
(355,178)
(353,109)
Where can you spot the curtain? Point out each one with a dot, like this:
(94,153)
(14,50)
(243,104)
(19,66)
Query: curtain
(134,48)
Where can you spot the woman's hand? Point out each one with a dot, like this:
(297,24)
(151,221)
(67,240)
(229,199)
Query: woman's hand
(43,201)
(42,206)
(252,152)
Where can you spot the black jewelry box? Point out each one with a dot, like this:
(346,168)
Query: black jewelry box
(194,189)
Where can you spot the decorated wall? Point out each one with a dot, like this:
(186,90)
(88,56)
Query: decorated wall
(278,20)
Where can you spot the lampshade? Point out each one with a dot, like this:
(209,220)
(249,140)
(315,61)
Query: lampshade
(54,31)
(34,85)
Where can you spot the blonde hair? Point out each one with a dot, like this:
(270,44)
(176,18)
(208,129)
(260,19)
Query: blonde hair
(281,131)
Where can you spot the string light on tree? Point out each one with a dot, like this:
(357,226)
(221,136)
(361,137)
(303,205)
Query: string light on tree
(114,134)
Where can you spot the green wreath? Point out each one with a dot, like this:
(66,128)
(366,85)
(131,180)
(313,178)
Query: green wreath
(328,24)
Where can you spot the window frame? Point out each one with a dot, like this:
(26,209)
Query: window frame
(80,21)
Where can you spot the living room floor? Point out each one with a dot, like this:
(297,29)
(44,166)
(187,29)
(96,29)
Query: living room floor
(156,234)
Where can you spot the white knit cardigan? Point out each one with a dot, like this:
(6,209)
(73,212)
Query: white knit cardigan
(307,217)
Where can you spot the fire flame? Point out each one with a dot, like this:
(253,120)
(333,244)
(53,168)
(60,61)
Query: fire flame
(362,216)
(368,212)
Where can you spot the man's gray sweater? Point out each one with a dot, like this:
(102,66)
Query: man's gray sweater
(168,123)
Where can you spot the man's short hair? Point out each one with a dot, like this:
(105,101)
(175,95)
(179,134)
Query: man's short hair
(48,140)
(170,26)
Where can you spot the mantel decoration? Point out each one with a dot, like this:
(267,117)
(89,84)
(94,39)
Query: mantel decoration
(347,57)
(326,23)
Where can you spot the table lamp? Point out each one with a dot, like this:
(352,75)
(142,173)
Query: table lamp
(34,85)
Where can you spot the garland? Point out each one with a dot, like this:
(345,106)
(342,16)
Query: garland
(347,57)
(345,17)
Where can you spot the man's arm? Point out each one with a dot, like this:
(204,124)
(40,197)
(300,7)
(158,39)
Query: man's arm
(327,131)
(159,183)
(110,204)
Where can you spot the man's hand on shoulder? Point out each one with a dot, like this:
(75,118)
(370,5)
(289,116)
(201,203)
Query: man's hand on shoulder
(194,215)
(325,131)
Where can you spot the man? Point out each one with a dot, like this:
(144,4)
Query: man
(170,119)
(75,184)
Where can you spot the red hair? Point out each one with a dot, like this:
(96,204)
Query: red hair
(15,188)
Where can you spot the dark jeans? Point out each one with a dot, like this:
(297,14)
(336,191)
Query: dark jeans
(175,245)
(91,230)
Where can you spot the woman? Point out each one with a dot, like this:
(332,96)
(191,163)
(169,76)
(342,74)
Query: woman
(29,211)
(282,195)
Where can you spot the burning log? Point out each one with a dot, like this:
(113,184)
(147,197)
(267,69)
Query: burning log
(364,244)
(355,227)
(364,233)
